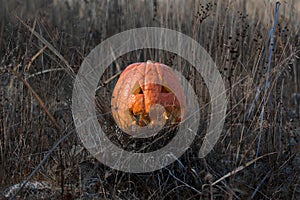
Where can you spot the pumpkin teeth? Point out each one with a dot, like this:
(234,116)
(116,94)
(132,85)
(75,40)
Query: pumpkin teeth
(166,115)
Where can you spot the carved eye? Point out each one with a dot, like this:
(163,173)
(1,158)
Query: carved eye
(141,86)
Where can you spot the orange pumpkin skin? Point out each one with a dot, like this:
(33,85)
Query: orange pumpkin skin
(142,85)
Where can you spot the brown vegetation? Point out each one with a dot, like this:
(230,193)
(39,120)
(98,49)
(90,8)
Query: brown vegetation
(254,158)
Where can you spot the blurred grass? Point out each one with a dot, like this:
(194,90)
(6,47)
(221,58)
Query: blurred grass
(234,33)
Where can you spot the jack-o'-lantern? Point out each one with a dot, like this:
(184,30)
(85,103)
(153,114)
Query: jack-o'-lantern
(143,89)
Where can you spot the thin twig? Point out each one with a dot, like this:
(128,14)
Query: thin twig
(187,185)
(34,57)
(260,184)
(240,168)
(43,72)
(267,85)
(39,100)
(109,80)
(45,42)
(41,163)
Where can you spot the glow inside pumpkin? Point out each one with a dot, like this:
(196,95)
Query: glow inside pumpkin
(140,88)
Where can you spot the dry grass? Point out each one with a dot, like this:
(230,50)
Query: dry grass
(254,158)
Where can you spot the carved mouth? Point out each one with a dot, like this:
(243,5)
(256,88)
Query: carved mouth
(142,99)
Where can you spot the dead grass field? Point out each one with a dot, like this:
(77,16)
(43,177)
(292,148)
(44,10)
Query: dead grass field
(36,81)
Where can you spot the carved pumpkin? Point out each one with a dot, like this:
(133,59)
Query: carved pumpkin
(141,92)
